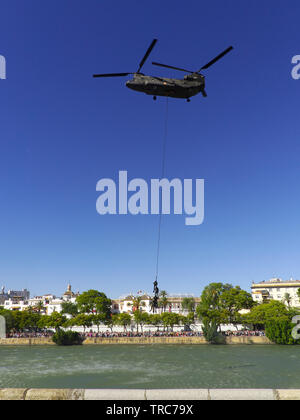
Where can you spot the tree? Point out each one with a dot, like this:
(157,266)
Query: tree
(298,293)
(188,303)
(188,320)
(137,303)
(232,301)
(56,320)
(67,338)
(140,318)
(163,300)
(93,301)
(279,331)
(155,320)
(69,308)
(111,321)
(124,320)
(261,314)
(209,310)
(287,299)
(39,307)
(83,320)
(10,319)
(170,319)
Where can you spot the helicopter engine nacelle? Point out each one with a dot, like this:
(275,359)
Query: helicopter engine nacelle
(194,77)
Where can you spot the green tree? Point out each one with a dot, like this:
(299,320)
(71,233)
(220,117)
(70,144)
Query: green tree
(39,307)
(124,320)
(261,314)
(83,320)
(155,320)
(67,338)
(210,309)
(111,321)
(188,303)
(141,318)
(56,320)
(163,300)
(137,303)
(279,331)
(94,301)
(10,319)
(287,299)
(170,319)
(232,301)
(188,320)
(69,308)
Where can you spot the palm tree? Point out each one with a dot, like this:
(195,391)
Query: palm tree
(188,303)
(39,307)
(137,303)
(287,299)
(163,300)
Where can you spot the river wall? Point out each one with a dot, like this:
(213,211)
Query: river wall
(148,394)
(136,340)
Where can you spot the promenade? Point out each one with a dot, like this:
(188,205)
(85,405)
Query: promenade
(26,394)
(40,341)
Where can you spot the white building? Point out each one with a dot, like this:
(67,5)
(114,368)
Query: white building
(277,289)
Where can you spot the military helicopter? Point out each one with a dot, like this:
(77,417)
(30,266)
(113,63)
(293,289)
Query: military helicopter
(192,83)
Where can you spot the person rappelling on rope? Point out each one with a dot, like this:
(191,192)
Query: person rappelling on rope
(154,304)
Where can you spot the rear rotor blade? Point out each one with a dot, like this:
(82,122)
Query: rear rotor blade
(111,74)
(147,54)
(171,67)
(216,58)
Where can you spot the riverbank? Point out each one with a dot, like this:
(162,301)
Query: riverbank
(231,340)
(25,394)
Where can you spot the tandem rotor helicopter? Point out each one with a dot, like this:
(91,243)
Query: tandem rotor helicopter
(192,83)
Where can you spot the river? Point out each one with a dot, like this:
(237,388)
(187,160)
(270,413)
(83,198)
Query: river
(150,366)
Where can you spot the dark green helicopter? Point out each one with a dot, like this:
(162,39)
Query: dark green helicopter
(192,83)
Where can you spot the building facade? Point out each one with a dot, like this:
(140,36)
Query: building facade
(173,304)
(277,289)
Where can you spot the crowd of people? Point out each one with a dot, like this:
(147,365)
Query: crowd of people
(245,333)
(112,334)
(27,334)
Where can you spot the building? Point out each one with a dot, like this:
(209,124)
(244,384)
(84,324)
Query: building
(174,304)
(277,289)
(45,304)
(16,295)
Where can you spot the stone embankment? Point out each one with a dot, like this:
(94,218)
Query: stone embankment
(148,394)
(136,340)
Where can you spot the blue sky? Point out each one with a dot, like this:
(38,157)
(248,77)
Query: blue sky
(62,131)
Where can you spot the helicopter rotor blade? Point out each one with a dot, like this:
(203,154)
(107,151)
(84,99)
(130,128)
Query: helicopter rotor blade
(147,54)
(111,74)
(213,61)
(171,67)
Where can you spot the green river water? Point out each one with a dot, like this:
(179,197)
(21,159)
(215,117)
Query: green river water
(150,366)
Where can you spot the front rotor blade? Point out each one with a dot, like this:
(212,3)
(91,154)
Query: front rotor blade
(111,74)
(147,54)
(216,58)
(171,67)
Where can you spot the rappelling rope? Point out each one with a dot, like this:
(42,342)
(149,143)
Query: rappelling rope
(162,176)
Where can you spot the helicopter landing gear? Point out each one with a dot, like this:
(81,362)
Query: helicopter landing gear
(154,98)
(188,100)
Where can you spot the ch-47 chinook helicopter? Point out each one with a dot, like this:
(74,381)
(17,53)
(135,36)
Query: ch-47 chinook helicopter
(192,83)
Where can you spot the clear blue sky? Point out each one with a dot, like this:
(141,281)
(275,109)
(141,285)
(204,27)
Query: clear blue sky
(62,130)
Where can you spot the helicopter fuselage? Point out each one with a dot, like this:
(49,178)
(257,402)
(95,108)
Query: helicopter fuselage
(190,86)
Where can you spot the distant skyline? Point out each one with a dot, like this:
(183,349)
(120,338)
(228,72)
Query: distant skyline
(62,131)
